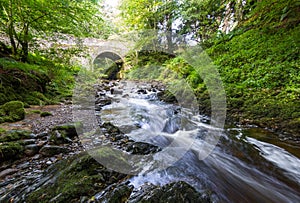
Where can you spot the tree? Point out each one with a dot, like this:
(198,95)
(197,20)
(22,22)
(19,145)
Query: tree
(22,21)
(157,15)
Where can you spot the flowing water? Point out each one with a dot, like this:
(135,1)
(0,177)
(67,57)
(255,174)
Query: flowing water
(247,165)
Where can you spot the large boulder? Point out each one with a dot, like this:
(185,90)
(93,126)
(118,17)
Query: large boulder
(74,179)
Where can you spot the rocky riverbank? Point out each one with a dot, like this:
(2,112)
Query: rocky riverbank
(42,160)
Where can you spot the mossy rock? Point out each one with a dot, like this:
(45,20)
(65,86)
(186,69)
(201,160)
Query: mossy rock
(13,111)
(14,135)
(112,158)
(70,130)
(74,178)
(11,151)
(45,114)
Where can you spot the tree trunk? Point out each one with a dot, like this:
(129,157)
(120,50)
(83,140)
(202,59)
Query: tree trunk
(24,54)
(11,31)
(169,33)
(25,45)
(12,39)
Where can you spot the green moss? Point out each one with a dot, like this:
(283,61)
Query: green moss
(10,150)
(14,135)
(35,111)
(13,111)
(45,113)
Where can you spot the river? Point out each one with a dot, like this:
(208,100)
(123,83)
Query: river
(248,164)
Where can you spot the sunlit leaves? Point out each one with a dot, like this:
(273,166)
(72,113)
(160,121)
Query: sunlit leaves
(23,20)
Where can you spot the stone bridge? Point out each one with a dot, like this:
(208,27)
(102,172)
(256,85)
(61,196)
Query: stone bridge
(111,52)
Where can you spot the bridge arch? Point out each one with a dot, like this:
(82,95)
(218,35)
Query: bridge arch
(111,55)
(110,64)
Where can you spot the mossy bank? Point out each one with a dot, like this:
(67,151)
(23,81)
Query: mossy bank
(258,63)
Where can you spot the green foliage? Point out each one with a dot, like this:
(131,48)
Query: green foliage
(25,21)
(201,18)
(144,14)
(260,69)
(147,65)
(258,61)
(274,14)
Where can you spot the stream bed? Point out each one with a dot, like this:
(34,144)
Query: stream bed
(248,164)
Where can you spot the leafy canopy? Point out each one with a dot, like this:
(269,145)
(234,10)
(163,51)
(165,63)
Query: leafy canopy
(23,21)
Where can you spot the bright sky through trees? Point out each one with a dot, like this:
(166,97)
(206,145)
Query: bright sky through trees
(112,3)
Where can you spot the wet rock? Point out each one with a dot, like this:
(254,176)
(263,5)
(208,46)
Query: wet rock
(142,148)
(57,138)
(110,128)
(98,108)
(42,135)
(115,193)
(170,193)
(68,129)
(7,172)
(102,102)
(116,91)
(32,136)
(41,143)
(142,91)
(101,94)
(166,96)
(74,179)
(29,141)
(31,149)
(51,150)
(172,125)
